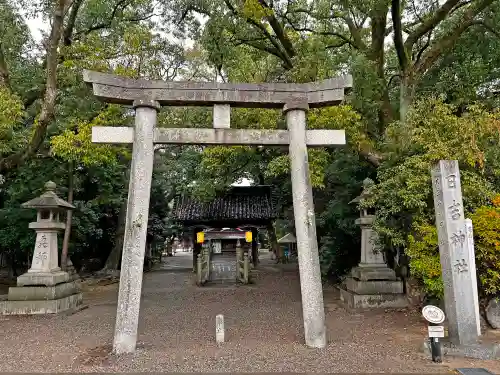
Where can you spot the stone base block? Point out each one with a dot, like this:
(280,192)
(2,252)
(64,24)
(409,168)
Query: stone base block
(366,301)
(374,286)
(40,293)
(46,279)
(364,273)
(41,307)
(477,351)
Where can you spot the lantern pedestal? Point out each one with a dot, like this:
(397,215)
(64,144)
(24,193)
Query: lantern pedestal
(44,289)
(372,283)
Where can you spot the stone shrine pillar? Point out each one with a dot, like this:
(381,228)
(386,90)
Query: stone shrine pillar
(311,287)
(372,283)
(136,224)
(456,253)
(44,289)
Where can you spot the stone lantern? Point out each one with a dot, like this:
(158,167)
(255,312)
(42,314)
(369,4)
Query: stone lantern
(371,257)
(372,283)
(44,288)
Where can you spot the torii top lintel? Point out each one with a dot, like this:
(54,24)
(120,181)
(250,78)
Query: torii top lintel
(123,90)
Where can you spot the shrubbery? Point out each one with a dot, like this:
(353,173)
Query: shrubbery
(403,196)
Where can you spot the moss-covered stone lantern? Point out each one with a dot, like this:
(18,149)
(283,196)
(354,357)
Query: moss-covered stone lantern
(372,283)
(45,288)
(47,225)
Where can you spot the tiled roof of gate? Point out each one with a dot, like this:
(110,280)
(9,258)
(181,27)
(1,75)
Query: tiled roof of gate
(251,203)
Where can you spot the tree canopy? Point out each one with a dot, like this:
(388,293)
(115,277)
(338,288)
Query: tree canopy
(426,87)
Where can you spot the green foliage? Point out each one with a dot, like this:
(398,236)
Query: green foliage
(403,196)
(486,221)
(318,161)
(76,144)
(340,237)
(425,264)
(12,135)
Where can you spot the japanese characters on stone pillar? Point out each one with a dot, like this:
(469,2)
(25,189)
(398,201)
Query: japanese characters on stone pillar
(456,249)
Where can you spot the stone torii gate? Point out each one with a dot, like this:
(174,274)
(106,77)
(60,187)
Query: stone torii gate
(147,97)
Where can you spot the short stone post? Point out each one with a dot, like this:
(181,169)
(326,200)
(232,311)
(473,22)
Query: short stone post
(239,252)
(44,289)
(199,261)
(456,250)
(246,268)
(219,329)
(313,309)
(134,243)
(207,260)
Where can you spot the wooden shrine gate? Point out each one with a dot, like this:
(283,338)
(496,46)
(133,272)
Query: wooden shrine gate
(204,267)
(147,97)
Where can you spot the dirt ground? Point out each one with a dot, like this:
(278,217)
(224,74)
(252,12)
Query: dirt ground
(177,332)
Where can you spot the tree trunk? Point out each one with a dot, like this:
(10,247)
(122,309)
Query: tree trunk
(406,91)
(169,249)
(13,266)
(48,104)
(273,241)
(69,217)
(114,257)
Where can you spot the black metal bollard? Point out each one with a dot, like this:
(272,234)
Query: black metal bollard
(435,347)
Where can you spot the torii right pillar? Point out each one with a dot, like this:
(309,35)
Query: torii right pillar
(305,225)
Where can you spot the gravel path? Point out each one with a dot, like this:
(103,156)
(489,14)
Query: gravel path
(177,324)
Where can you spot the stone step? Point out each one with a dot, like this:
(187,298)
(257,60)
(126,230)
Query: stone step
(41,307)
(373,273)
(366,301)
(40,278)
(40,293)
(473,371)
(374,286)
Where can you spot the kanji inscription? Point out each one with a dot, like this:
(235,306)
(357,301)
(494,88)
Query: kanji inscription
(454,210)
(451,181)
(458,238)
(43,242)
(41,256)
(461,266)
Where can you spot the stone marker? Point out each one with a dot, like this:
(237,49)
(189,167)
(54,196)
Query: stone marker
(44,289)
(219,328)
(456,250)
(372,283)
(146,96)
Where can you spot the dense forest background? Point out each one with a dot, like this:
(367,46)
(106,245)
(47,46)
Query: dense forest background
(426,87)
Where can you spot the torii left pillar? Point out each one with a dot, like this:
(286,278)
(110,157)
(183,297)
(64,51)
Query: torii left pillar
(136,225)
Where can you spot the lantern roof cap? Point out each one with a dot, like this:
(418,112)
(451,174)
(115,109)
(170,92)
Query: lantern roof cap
(48,200)
(365,193)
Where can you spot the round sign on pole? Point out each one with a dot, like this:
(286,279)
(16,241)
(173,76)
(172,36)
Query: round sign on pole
(433,314)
